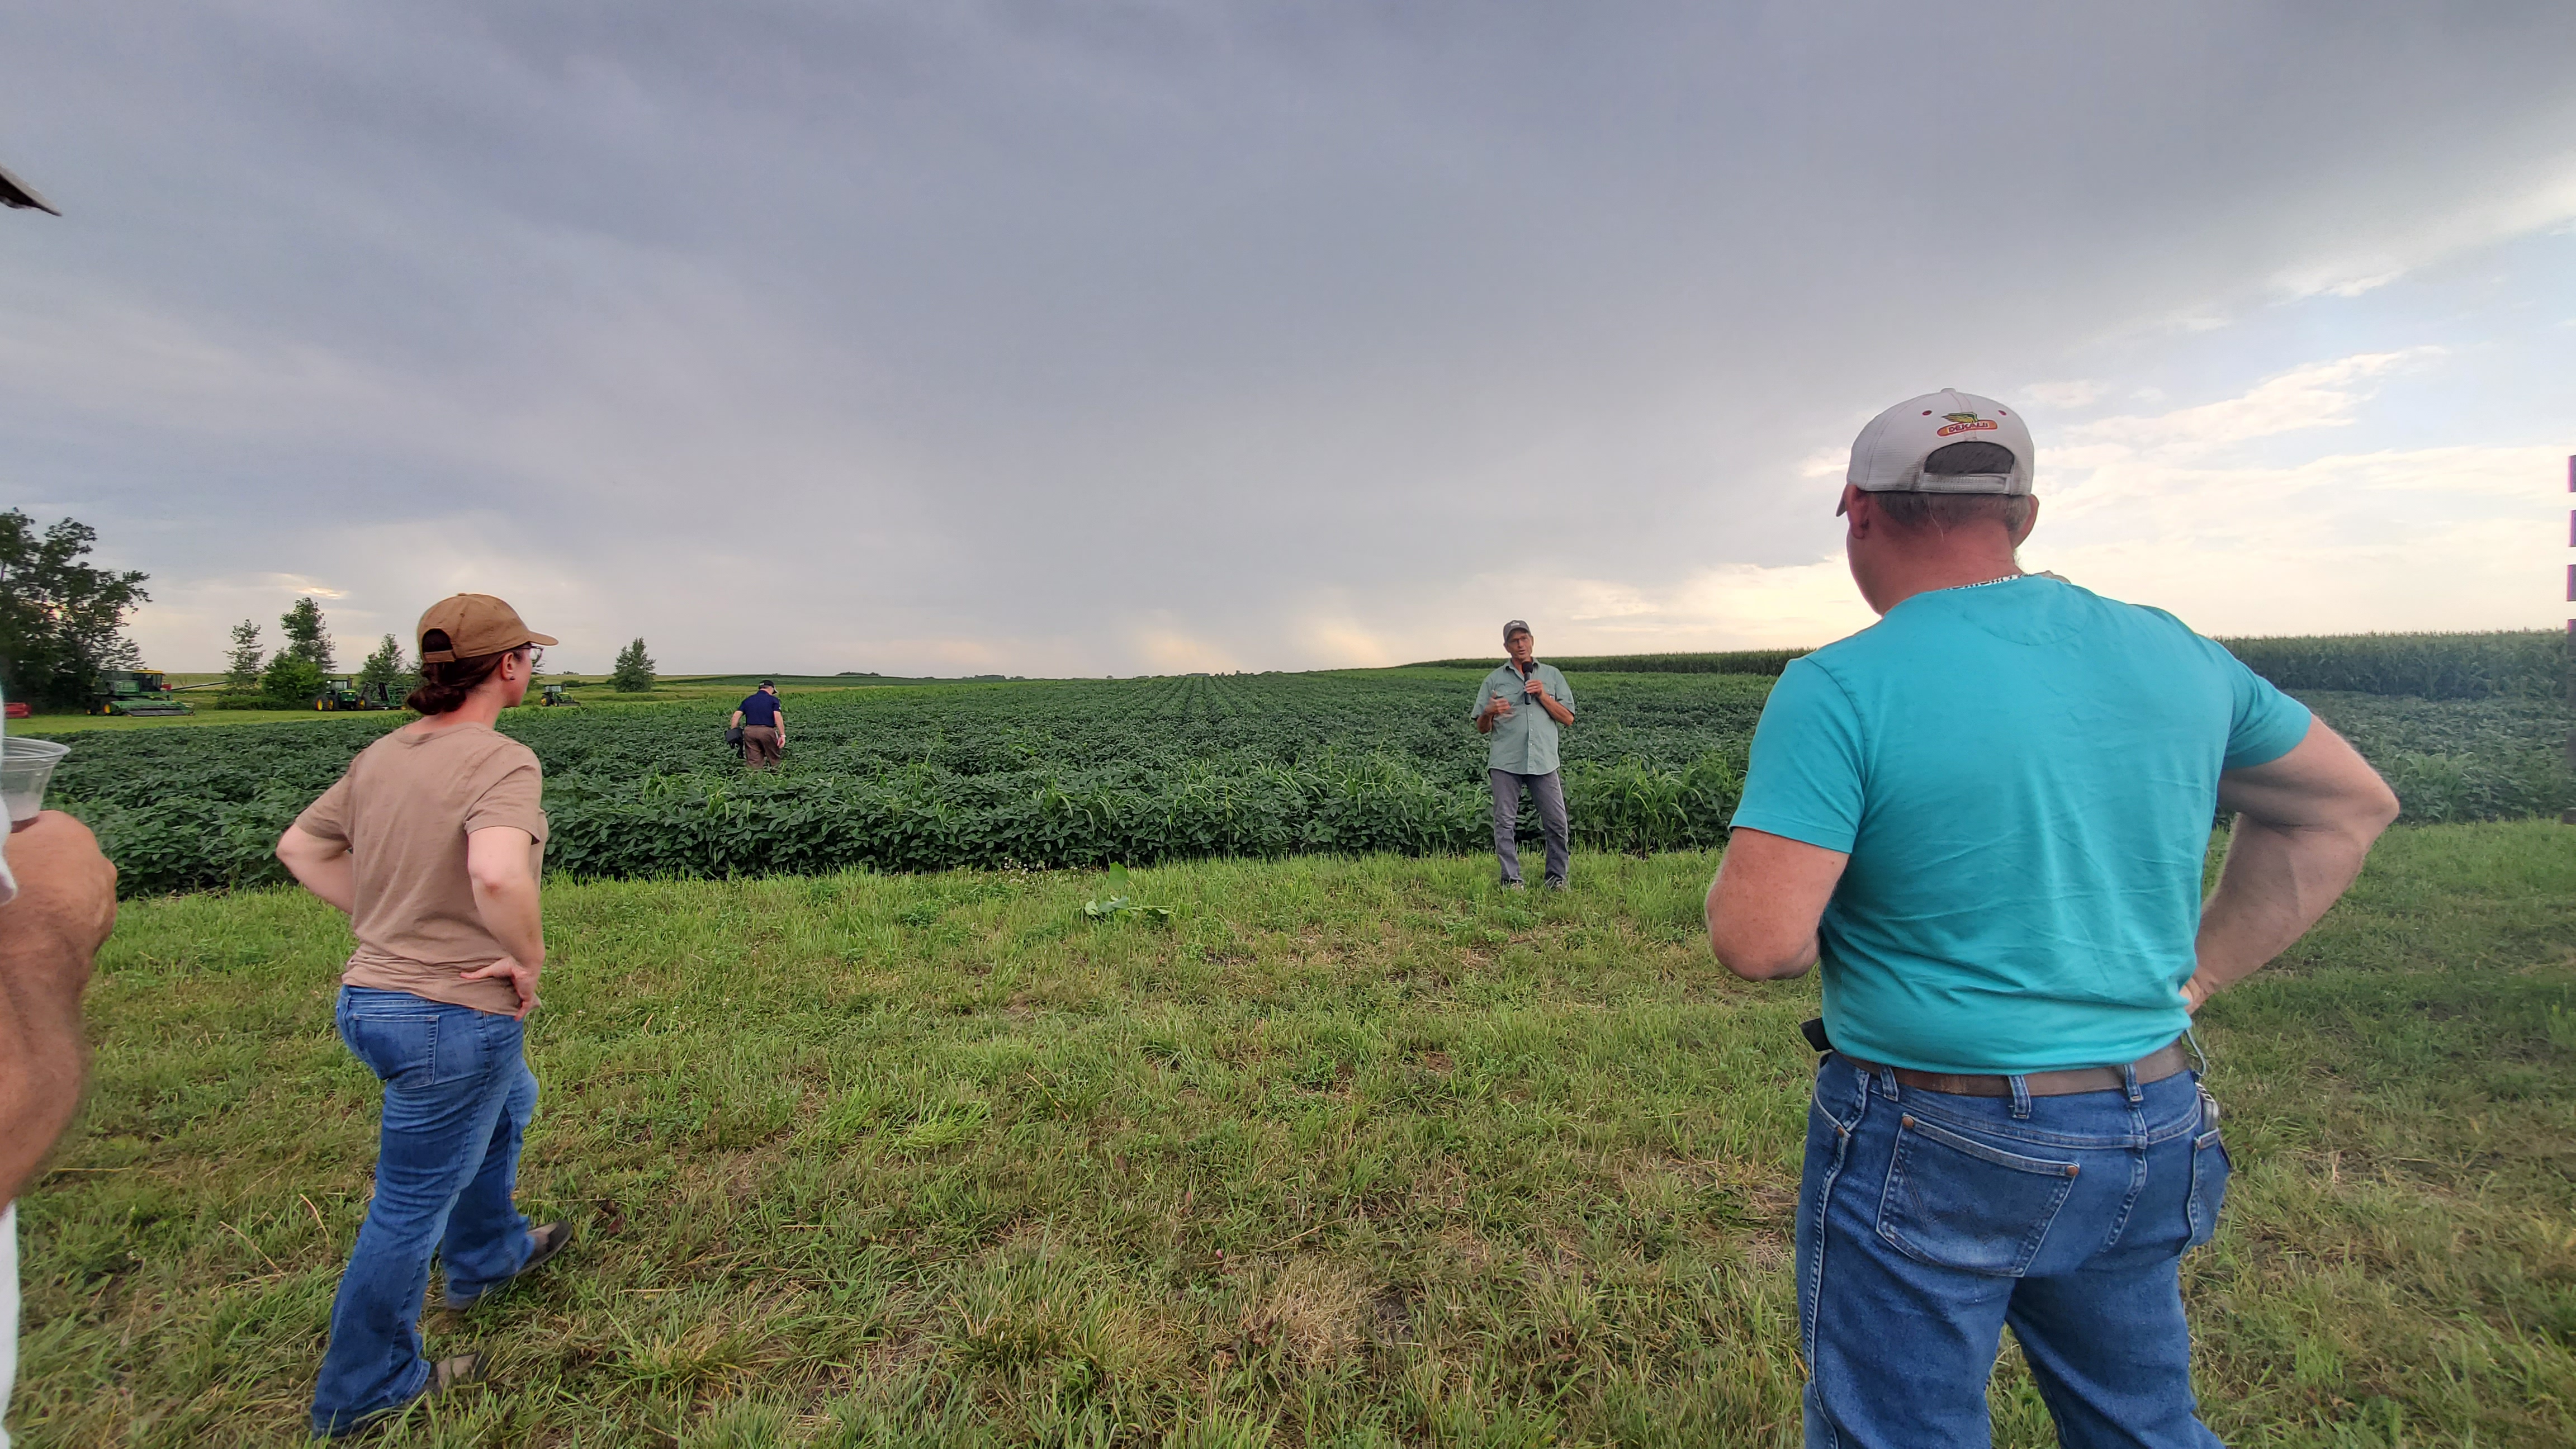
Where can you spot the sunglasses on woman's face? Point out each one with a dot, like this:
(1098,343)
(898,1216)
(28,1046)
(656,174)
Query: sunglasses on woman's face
(536,655)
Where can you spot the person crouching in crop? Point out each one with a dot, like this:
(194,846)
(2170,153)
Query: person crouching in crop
(431,843)
(763,722)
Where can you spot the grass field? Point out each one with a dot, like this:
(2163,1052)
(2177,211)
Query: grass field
(1353,1152)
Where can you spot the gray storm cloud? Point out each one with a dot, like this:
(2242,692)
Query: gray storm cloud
(1121,337)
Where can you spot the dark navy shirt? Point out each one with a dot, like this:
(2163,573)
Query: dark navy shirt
(760,709)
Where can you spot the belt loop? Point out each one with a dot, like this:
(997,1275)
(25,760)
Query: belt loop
(2129,1074)
(1887,1082)
(2021,1096)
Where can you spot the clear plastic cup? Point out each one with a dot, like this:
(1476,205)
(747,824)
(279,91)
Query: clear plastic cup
(25,768)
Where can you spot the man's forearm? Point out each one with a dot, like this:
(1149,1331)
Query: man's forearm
(2277,882)
(43,1058)
(40,1093)
(49,937)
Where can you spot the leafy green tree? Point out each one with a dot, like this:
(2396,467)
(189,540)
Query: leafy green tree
(62,622)
(290,681)
(386,667)
(241,669)
(307,637)
(633,673)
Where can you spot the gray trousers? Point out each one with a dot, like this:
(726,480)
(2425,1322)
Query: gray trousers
(1549,792)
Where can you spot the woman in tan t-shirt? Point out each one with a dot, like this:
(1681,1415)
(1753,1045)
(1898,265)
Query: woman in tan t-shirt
(432,844)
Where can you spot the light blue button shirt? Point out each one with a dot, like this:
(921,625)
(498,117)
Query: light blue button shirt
(1524,741)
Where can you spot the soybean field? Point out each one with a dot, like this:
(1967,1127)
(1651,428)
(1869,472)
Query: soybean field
(1055,773)
(1089,773)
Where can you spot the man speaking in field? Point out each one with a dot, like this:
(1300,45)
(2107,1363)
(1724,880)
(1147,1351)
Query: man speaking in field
(1520,706)
(1986,815)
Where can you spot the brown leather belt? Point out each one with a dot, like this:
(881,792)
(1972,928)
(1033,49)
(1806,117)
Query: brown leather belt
(2155,1066)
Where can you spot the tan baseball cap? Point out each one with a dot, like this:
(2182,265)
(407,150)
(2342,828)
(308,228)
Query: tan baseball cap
(476,625)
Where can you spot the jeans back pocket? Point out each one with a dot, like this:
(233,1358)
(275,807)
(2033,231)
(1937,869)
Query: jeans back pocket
(402,1050)
(1955,1202)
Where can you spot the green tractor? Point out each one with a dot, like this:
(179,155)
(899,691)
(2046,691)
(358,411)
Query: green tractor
(346,692)
(558,694)
(135,692)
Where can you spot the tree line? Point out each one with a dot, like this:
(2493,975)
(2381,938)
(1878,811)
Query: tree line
(294,675)
(62,633)
(62,621)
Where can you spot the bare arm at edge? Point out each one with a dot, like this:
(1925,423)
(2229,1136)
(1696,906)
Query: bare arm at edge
(49,936)
(501,862)
(1766,902)
(320,866)
(2304,824)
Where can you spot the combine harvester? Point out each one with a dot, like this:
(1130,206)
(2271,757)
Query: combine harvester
(136,692)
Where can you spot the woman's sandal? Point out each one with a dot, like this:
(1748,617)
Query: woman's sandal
(544,1243)
(454,1373)
(445,1376)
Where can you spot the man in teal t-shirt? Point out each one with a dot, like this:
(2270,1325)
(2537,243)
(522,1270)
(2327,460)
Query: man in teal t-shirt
(1987,815)
(2023,775)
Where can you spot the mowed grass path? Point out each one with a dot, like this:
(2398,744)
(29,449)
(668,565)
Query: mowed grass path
(1351,1153)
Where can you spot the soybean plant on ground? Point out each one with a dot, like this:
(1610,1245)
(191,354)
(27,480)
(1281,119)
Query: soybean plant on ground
(1349,1152)
(1084,773)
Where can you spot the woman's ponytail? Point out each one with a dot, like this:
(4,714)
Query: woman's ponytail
(444,685)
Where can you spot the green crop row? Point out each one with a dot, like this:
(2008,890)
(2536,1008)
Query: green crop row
(2516,664)
(924,818)
(1077,773)
(1736,661)
(2521,664)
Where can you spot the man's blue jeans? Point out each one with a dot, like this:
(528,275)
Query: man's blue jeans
(458,1096)
(1928,1221)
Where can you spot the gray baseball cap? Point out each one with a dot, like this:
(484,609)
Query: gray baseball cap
(1517,626)
(1888,455)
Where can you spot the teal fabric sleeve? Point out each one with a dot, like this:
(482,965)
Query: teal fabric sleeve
(2267,723)
(1805,779)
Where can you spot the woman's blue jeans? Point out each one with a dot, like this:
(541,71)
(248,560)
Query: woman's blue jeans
(1928,1221)
(458,1097)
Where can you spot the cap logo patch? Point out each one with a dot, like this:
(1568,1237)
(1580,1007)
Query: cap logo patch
(1964,423)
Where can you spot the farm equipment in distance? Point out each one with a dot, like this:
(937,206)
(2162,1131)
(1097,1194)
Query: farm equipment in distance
(135,692)
(558,694)
(346,692)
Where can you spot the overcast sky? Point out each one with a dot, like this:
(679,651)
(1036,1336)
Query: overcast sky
(1153,337)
